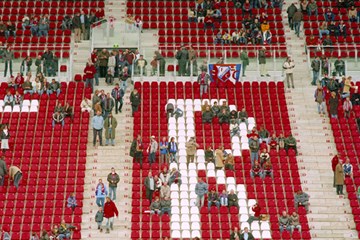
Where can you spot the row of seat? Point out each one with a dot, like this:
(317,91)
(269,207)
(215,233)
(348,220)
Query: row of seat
(53,4)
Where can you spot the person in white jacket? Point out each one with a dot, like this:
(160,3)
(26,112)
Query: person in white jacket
(112,63)
(85,105)
(288,67)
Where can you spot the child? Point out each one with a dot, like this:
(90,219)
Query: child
(224,198)
(153,64)
(109,79)
(99,217)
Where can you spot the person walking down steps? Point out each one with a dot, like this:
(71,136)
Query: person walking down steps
(288,67)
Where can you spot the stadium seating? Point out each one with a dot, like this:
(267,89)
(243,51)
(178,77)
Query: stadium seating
(52,161)
(171,20)
(347,140)
(265,102)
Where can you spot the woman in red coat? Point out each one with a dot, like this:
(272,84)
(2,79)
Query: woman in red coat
(256,209)
(110,211)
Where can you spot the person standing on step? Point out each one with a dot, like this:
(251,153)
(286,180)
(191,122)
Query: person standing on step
(191,147)
(334,163)
(107,105)
(97,124)
(319,96)
(136,150)
(203,80)
(245,61)
(164,152)
(162,63)
(135,101)
(182,56)
(150,186)
(8,59)
(288,67)
(192,62)
(99,218)
(3,170)
(333,104)
(297,18)
(110,211)
(172,148)
(339,178)
(262,62)
(113,179)
(76,25)
(201,189)
(101,192)
(15,175)
(292,9)
(90,72)
(152,149)
(5,135)
(315,65)
(118,93)
(110,124)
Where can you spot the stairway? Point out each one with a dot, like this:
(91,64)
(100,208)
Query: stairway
(116,9)
(330,216)
(80,56)
(100,160)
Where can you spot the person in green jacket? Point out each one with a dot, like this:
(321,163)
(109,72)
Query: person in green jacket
(162,62)
(110,125)
(38,62)
(224,117)
(182,56)
(99,218)
(245,61)
(207,115)
(262,62)
(290,142)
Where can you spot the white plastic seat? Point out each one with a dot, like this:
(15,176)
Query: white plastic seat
(244,225)
(251,202)
(197,108)
(188,102)
(192,173)
(230,187)
(182,159)
(237,153)
(180,101)
(175,233)
(175,202)
(181,127)
(184,202)
(244,140)
(173,101)
(201,166)
(16,108)
(185,234)
(189,108)
(184,188)
(200,159)
(241,195)
(172,127)
(265,226)
(175,210)
(25,108)
(244,217)
(192,180)
(235,139)
(232,107)
(221,101)
(194,214)
(220,180)
(181,120)
(210,173)
(185,218)
(245,146)
(192,166)
(181,145)
(1,103)
(184,180)
(240,188)
(189,119)
(172,120)
(266,235)
(190,133)
(235,146)
(183,166)
(192,202)
(185,210)
(256,234)
(250,210)
(243,210)
(230,180)
(7,109)
(174,195)
(173,165)
(195,225)
(34,102)
(242,203)
(220,173)
(210,166)
(212,101)
(175,218)
(181,139)
(26,102)
(242,126)
(243,133)
(174,187)
(200,152)
(172,133)
(197,102)
(181,133)
(255,226)
(184,173)
(195,234)
(182,152)
(184,195)
(251,126)
(190,126)
(193,195)
(251,120)
(189,113)
(192,188)
(1,109)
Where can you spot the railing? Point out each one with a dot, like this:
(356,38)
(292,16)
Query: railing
(110,33)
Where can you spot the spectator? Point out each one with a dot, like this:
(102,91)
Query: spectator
(205,105)
(66,23)
(226,37)
(229,162)
(173,148)
(34,26)
(327,42)
(291,10)
(209,22)
(58,117)
(85,25)
(165,190)
(164,152)
(290,142)
(315,65)
(54,86)
(110,211)
(117,93)
(34,236)
(107,105)
(44,235)
(264,135)
(8,99)
(319,96)
(98,124)
(224,116)
(235,234)
(264,156)
(281,141)
(161,61)
(355,98)
(68,111)
(27,86)
(166,206)
(135,100)
(136,149)
(54,232)
(43,28)
(284,222)
(90,72)
(341,31)
(165,175)
(334,163)
(234,129)
(347,106)
(301,199)
(329,15)
(254,149)
(232,199)
(203,80)
(175,177)
(256,170)
(192,15)
(348,168)
(140,65)
(76,25)
(99,218)
(85,105)
(103,57)
(191,147)
(256,217)
(124,76)
(312,8)
(138,23)
(213,199)
(15,175)
(3,171)
(71,202)
(8,56)
(246,235)
(262,62)
(26,65)
(277,3)
(245,61)
(346,88)
(209,155)
(192,62)
(65,230)
(201,188)
(155,206)
(339,65)
(246,8)
(150,186)
(25,22)
(182,56)
(268,169)
(294,222)
(220,158)
(152,149)
(243,116)
(110,125)
(333,29)
(38,63)
(288,67)
(113,179)
(223,198)
(352,14)
(101,192)
(273,143)
(207,115)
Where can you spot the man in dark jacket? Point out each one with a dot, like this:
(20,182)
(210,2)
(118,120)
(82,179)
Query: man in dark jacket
(113,179)
(117,93)
(292,9)
(76,24)
(3,171)
(182,56)
(207,115)
(246,235)
(262,62)
(296,19)
(135,101)
(315,65)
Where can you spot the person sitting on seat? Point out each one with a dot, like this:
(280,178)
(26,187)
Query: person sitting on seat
(284,222)
(207,115)
(213,199)
(268,169)
(166,206)
(256,217)
(215,108)
(175,177)
(54,86)
(234,128)
(229,162)
(65,230)
(68,111)
(203,107)
(18,99)
(256,170)
(348,168)
(71,202)
(9,99)
(223,116)
(58,117)
(233,200)
(273,143)
(301,199)
(294,222)
(233,115)
(223,198)
(243,116)
(247,235)
(264,157)
(86,105)
(290,142)
(264,135)
(155,206)
(224,106)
